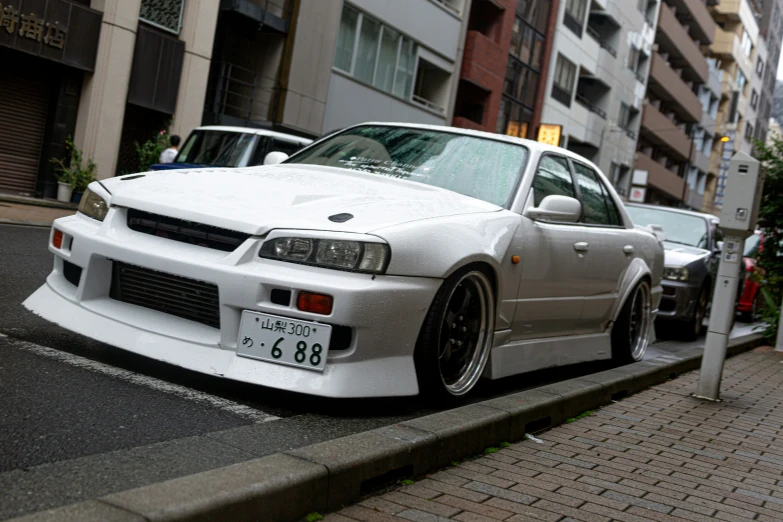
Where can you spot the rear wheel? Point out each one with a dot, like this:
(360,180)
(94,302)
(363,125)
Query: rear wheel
(456,338)
(631,332)
(692,329)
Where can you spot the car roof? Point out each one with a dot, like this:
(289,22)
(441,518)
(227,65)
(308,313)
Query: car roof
(708,217)
(532,145)
(252,130)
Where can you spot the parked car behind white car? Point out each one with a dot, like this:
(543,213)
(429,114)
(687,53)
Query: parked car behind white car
(385,260)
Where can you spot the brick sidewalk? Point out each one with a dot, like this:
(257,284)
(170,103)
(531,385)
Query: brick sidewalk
(659,455)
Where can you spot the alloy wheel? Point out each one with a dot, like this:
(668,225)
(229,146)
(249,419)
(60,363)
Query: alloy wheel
(466,333)
(639,323)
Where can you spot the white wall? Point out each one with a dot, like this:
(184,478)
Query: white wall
(351,102)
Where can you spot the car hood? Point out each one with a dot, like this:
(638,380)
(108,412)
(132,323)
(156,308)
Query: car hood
(255,200)
(682,255)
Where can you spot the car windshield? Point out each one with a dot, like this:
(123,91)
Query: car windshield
(752,246)
(678,227)
(482,168)
(217,148)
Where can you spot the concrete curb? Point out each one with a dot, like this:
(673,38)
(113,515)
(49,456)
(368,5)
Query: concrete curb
(325,476)
(37,202)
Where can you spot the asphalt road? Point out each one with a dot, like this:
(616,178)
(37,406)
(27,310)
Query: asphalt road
(80,418)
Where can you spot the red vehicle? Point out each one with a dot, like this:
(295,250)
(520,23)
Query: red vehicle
(750,289)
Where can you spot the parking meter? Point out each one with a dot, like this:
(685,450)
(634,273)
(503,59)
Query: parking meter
(738,217)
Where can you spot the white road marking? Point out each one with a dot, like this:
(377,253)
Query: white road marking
(247,412)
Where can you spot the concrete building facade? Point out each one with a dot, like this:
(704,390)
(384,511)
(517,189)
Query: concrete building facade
(95,71)
(599,67)
(667,150)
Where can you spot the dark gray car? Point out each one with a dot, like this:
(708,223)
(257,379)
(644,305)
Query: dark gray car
(691,257)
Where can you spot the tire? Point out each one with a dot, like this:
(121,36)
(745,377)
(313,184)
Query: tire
(631,331)
(462,314)
(692,328)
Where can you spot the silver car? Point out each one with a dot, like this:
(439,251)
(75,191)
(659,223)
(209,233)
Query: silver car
(691,256)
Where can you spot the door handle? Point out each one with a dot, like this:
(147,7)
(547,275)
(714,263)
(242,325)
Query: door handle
(628,249)
(582,246)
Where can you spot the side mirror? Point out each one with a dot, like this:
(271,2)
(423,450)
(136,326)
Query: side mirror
(273,158)
(556,208)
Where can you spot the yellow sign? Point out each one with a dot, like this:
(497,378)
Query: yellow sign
(549,134)
(517,129)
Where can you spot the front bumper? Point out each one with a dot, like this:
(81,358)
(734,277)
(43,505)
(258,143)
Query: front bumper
(384,313)
(678,300)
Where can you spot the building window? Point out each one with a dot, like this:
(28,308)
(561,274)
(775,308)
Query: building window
(754,99)
(633,58)
(626,118)
(575,15)
(747,44)
(565,75)
(760,67)
(380,56)
(163,14)
(741,81)
(748,131)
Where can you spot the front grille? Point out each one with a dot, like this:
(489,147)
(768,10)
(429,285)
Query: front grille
(185,231)
(180,296)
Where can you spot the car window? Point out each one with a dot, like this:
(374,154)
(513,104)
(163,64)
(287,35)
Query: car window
(595,198)
(217,148)
(478,167)
(680,228)
(288,147)
(553,178)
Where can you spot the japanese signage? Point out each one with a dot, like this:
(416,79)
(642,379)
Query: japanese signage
(32,27)
(57,30)
(550,134)
(517,129)
(637,194)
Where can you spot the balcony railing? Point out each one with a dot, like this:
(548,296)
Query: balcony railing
(640,78)
(241,93)
(428,104)
(573,24)
(590,106)
(603,42)
(561,95)
(451,5)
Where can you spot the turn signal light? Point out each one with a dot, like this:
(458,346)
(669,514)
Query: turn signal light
(57,239)
(315,303)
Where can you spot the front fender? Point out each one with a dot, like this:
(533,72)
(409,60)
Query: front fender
(637,271)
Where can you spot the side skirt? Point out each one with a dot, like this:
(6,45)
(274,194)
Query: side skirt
(512,358)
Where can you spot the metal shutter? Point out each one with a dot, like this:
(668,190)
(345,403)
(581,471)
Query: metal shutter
(24,105)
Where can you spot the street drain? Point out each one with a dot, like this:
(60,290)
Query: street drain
(538,425)
(385,480)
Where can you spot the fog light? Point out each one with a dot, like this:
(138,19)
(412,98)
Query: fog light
(315,303)
(57,239)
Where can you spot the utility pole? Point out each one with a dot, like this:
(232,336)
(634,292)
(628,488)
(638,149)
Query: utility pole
(738,221)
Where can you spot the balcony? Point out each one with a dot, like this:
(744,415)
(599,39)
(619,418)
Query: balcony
(683,51)
(664,133)
(698,17)
(480,52)
(695,200)
(659,177)
(727,46)
(700,161)
(272,15)
(668,86)
(728,10)
(239,96)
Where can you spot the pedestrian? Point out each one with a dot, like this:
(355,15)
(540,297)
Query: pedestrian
(168,155)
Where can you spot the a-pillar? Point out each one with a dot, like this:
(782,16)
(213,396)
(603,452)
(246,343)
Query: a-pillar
(199,21)
(105,91)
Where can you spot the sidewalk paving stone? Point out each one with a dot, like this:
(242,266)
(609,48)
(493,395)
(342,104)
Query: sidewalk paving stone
(660,455)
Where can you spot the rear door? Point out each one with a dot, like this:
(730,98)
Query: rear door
(610,250)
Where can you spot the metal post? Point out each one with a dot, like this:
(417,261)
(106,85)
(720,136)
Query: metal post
(721,318)
(779,343)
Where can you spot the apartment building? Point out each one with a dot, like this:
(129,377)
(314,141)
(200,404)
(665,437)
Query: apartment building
(771,31)
(599,67)
(740,54)
(675,131)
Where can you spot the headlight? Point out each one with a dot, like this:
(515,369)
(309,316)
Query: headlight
(356,256)
(92,205)
(675,273)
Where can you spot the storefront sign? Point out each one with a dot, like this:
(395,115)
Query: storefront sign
(550,134)
(637,194)
(57,30)
(517,129)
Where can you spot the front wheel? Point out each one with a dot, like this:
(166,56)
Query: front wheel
(631,331)
(456,339)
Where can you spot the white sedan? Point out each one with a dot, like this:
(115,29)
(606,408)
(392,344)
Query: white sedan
(385,260)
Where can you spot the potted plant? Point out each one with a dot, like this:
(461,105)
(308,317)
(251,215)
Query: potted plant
(75,176)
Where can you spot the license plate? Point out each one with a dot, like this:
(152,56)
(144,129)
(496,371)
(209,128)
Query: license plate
(283,340)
